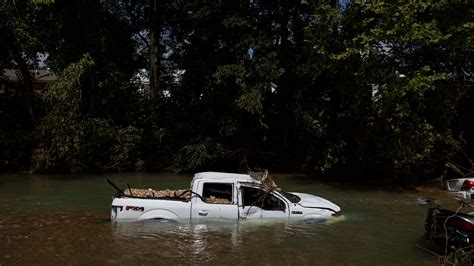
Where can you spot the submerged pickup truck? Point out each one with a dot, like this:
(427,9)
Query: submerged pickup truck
(216,195)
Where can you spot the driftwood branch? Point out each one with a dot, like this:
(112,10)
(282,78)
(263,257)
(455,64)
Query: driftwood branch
(454,168)
(267,182)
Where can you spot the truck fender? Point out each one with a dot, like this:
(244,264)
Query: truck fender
(159,214)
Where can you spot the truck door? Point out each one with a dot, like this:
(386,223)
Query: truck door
(258,203)
(218,200)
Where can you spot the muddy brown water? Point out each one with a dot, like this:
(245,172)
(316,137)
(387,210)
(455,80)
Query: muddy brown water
(61,220)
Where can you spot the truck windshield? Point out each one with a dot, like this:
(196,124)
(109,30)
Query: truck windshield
(291,197)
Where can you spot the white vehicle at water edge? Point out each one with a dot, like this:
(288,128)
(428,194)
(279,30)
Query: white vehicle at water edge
(216,195)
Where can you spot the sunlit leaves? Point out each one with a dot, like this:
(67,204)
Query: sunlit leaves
(66,92)
(251,102)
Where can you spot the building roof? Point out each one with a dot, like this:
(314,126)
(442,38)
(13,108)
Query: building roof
(38,75)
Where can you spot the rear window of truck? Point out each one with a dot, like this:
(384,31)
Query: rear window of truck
(217,193)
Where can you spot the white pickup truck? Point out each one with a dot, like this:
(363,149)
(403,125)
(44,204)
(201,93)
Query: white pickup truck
(216,195)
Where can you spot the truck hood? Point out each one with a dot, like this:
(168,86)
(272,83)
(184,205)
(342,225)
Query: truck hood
(311,201)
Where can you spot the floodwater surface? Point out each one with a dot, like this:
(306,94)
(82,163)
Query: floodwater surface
(64,219)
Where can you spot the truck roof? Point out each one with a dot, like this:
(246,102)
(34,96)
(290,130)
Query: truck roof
(225,176)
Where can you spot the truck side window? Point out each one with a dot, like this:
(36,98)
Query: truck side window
(217,193)
(257,197)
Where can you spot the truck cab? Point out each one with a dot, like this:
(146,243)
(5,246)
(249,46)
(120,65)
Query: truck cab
(243,197)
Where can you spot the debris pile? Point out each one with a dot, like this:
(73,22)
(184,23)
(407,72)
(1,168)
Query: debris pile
(265,179)
(151,193)
(215,200)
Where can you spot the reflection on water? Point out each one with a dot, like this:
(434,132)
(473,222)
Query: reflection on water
(50,221)
(213,241)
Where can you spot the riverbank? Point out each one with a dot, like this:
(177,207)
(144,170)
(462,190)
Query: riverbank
(436,196)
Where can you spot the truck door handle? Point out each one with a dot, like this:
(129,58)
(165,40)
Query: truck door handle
(202,212)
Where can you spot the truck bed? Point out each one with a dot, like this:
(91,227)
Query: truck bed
(167,194)
(178,194)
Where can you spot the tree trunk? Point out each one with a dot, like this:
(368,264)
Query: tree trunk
(155,38)
(26,87)
(27,81)
(283,88)
(154,65)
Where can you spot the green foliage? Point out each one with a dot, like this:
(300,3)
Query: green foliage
(16,142)
(129,140)
(390,84)
(73,142)
(100,146)
(251,102)
(58,131)
(379,83)
(93,145)
(405,99)
(15,149)
(200,156)
(42,1)
(226,75)
(65,94)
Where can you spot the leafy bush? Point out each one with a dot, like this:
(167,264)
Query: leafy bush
(70,142)
(199,156)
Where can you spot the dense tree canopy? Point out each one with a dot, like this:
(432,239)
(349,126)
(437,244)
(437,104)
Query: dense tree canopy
(367,88)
